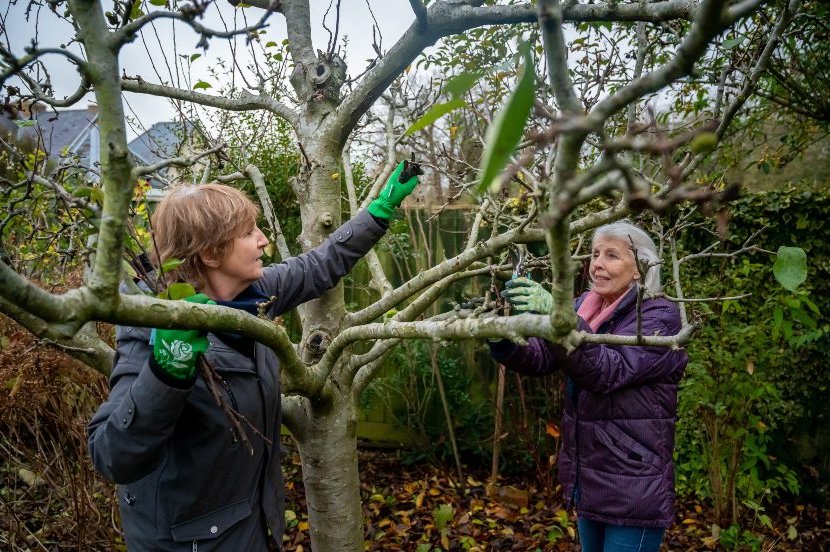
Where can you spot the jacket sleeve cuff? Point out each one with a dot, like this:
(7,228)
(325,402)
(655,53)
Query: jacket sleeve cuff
(382,222)
(501,349)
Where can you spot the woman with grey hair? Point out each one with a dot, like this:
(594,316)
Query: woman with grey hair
(638,242)
(616,463)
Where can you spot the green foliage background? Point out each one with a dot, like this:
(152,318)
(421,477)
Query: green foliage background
(753,408)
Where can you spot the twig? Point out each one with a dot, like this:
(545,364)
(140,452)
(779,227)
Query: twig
(213,382)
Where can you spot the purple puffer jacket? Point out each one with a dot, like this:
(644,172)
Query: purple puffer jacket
(620,410)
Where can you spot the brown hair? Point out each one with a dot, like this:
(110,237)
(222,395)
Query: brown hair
(199,219)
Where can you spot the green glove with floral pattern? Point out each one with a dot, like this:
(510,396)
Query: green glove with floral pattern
(176,351)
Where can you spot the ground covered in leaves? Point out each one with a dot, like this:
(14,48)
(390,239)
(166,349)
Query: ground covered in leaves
(425,508)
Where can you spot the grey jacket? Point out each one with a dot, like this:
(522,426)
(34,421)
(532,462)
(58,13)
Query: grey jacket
(185,480)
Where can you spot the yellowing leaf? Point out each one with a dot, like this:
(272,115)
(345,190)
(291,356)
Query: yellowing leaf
(302,526)
(792,533)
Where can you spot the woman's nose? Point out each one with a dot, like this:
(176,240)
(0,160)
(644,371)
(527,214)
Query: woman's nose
(262,240)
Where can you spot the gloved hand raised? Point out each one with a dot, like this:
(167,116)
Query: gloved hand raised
(525,295)
(395,191)
(176,351)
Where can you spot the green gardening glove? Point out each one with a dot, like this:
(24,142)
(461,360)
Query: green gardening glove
(393,194)
(176,351)
(525,295)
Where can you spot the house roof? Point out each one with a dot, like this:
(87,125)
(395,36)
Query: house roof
(61,130)
(161,141)
(69,130)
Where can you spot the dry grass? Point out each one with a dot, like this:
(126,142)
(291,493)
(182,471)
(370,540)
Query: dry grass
(50,497)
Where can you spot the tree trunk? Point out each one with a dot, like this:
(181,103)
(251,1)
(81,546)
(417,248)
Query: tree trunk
(328,450)
(318,190)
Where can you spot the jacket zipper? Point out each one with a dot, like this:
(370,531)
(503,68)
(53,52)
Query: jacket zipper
(235,406)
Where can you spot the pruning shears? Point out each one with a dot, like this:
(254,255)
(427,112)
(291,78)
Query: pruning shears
(517,257)
(410,169)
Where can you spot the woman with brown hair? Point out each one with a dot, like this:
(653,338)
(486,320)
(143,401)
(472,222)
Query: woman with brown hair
(186,480)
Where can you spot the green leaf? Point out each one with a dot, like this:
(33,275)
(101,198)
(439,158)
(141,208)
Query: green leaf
(171,264)
(202,85)
(732,42)
(194,57)
(790,268)
(26,123)
(433,114)
(178,291)
(271,44)
(136,12)
(506,129)
(459,84)
(159,2)
(442,516)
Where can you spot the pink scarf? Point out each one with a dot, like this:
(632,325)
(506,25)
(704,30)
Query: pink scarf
(592,312)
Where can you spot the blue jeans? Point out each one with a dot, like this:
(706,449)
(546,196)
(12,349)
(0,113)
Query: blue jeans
(603,537)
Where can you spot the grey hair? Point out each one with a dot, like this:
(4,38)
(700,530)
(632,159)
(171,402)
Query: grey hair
(642,244)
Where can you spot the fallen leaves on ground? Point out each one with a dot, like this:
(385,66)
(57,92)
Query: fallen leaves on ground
(425,508)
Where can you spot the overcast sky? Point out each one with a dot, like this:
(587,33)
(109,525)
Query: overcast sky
(393,17)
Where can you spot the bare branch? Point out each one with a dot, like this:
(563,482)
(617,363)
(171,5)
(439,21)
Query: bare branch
(66,314)
(517,327)
(710,19)
(760,65)
(15,66)
(379,281)
(255,175)
(420,13)
(446,18)
(246,101)
(68,198)
(189,161)
(556,54)
(127,33)
(85,346)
